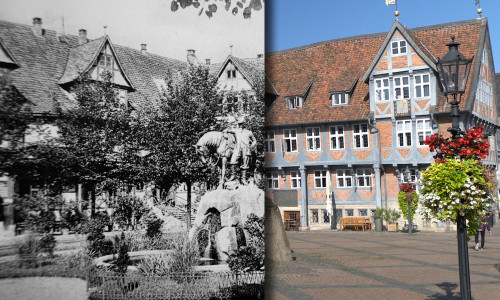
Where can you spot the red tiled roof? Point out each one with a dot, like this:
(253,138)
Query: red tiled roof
(337,65)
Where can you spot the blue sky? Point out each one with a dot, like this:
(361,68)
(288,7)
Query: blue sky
(292,23)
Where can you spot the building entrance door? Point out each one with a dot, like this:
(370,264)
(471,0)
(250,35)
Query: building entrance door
(292,220)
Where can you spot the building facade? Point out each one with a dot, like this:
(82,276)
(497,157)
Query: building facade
(346,118)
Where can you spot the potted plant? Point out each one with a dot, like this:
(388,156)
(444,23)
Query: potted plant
(391,216)
(379,216)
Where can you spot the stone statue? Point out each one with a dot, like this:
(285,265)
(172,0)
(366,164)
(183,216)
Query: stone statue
(246,147)
(216,147)
(235,145)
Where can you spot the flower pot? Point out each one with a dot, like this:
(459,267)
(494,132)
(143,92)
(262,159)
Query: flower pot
(393,227)
(378,224)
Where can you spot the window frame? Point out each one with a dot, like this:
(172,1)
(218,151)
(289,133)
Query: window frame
(291,139)
(421,86)
(294,102)
(399,47)
(401,86)
(313,211)
(341,98)
(325,219)
(272,182)
(366,177)
(426,131)
(345,175)
(360,134)
(407,140)
(321,178)
(337,136)
(382,90)
(313,138)
(270,141)
(231,74)
(297,178)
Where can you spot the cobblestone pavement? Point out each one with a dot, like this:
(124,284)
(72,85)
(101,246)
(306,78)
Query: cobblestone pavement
(382,265)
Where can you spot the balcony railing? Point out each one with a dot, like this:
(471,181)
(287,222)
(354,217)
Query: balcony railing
(402,107)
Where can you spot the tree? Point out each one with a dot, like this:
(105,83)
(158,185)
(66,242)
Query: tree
(15,117)
(187,111)
(94,133)
(210,7)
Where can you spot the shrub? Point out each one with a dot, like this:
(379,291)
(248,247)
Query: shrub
(251,256)
(158,265)
(153,224)
(123,258)
(98,245)
(48,244)
(29,249)
(184,255)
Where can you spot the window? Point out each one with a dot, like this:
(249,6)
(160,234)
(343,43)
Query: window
(422,85)
(319,179)
(294,102)
(122,97)
(402,87)
(424,130)
(398,47)
(364,177)
(382,89)
(272,180)
(231,74)
(336,137)
(106,61)
(349,212)
(373,212)
(269,141)
(290,140)
(363,212)
(344,178)
(313,139)
(295,182)
(340,99)
(314,216)
(360,135)
(403,130)
(325,216)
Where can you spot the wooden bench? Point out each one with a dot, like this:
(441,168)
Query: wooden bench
(357,222)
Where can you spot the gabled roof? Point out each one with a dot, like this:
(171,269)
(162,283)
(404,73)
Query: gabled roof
(269,87)
(9,58)
(45,62)
(251,69)
(81,59)
(412,41)
(338,62)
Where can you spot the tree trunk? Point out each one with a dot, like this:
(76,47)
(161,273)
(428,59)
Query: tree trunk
(188,205)
(92,200)
(277,245)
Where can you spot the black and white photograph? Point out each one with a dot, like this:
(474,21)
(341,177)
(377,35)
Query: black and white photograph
(132,154)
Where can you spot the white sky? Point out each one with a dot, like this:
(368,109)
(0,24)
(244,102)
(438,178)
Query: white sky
(133,22)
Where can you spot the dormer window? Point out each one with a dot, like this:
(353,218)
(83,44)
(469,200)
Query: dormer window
(231,74)
(294,102)
(398,47)
(340,99)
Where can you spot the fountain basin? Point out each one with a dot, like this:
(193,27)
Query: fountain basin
(205,264)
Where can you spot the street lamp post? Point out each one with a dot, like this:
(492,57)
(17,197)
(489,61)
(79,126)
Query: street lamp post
(409,199)
(454,72)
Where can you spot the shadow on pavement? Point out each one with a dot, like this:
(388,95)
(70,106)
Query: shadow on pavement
(448,288)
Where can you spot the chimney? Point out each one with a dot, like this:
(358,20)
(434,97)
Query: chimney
(260,55)
(144,48)
(82,37)
(207,61)
(37,26)
(191,57)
